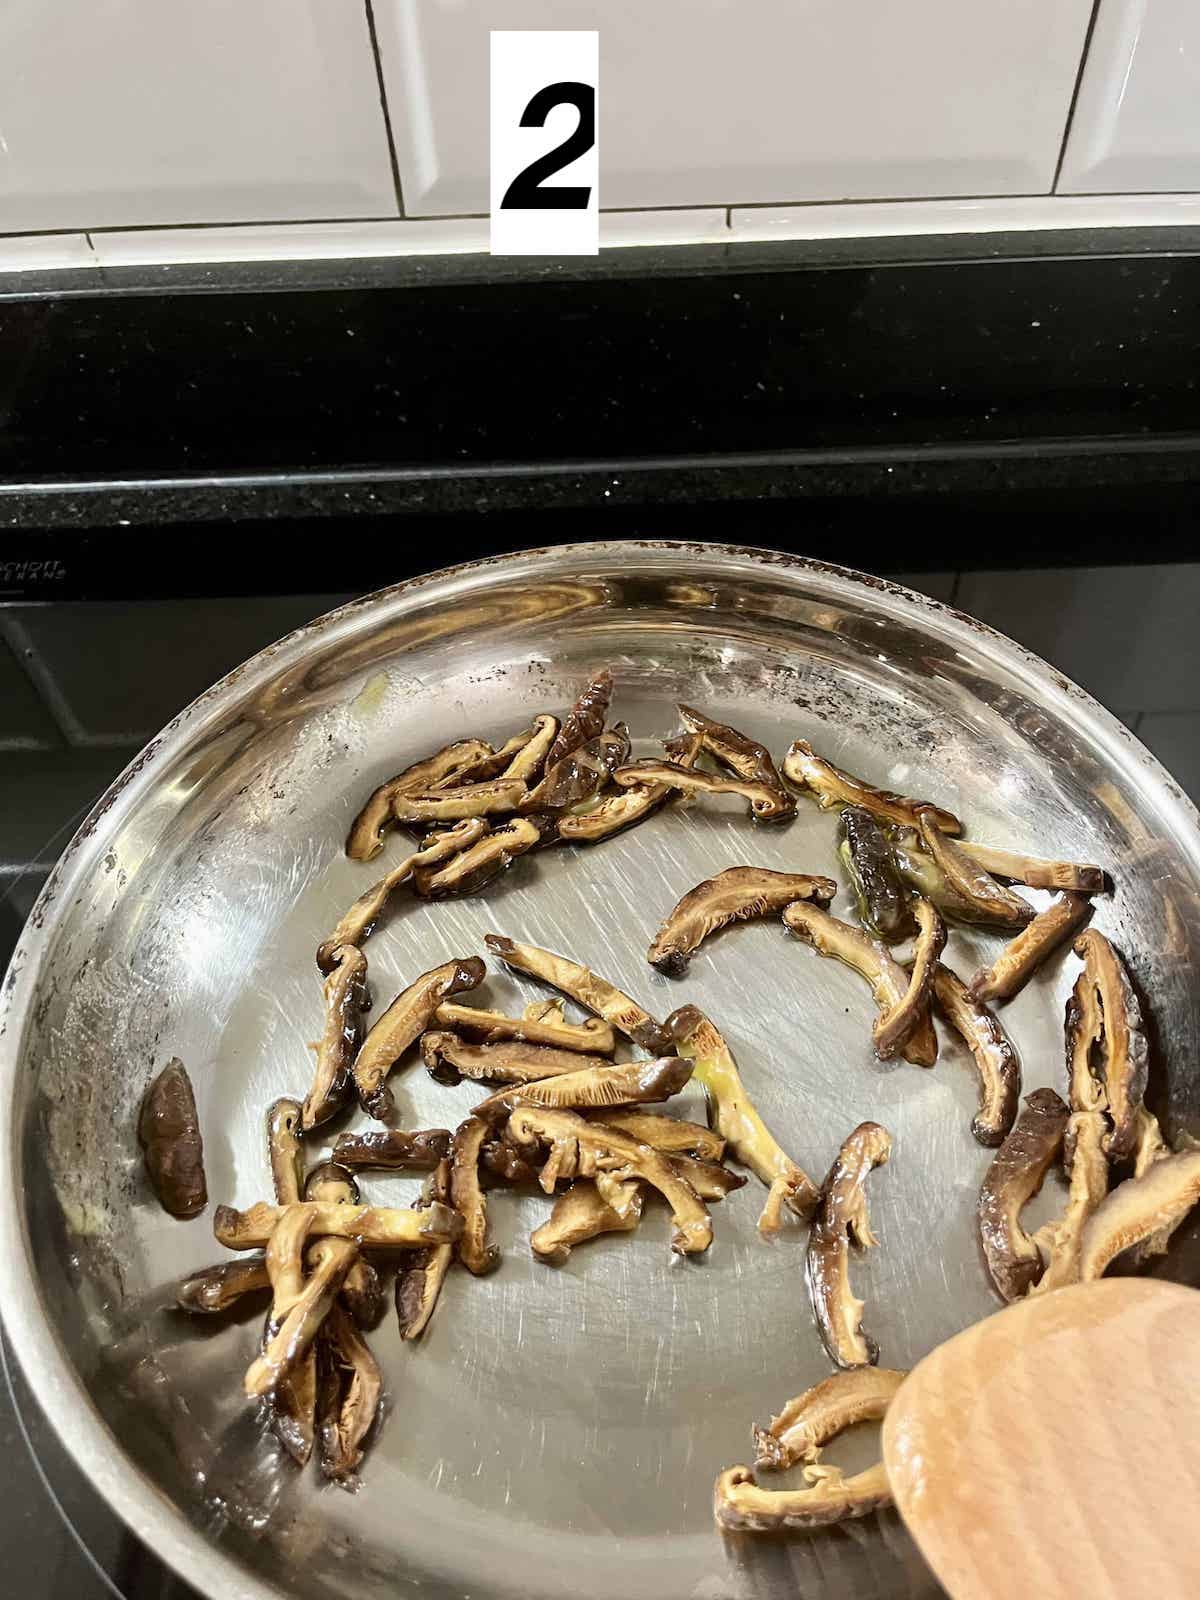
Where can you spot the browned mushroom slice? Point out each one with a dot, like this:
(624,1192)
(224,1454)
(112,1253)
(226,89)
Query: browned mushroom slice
(841,1219)
(829,936)
(740,1506)
(734,1116)
(1034,872)
(672,1135)
(629,1083)
(593,1036)
(1150,1148)
(344,991)
(293,1400)
(997,1061)
(582,1149)
(529,761)
(709,1179)
(362,1290)
(474,1250)
(467,800)
(473,868)
(1138,1210)
(1124,1051)
(767,804)
(735,895)
(830,786)
(374,1227)
(1014,1177)
(578,776)
(580,1213)
(350,1395)
(735,750)
(610,814)
(859,1394)
(991,903)
(594,993)
(1022,956)
(882,898)
(285,1151)
(586,718)
(449,1059)
(918,869)
(172,1149)
(1084,1029)
(293,1405)
(392,1150)
(214,1289)
(501,1161)
(402,1024)
(295,1331)
(372,822)
(358,923)
(421,1273)
(1084,1159)
(896,1026)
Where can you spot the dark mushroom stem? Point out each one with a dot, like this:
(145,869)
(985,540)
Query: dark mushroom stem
(842,1219)
(392,1150)
(1018,1168)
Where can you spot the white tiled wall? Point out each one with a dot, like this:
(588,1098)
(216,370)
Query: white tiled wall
(160,130)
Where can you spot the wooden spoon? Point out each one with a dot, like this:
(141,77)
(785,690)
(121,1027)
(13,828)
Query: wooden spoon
(1053,1450)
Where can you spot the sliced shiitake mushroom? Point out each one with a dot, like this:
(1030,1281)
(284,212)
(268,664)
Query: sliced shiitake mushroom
(471,869)
(767,804)
(842,1218)
(735,1118)
(1124,1055)
(1036,873)
(362,1291)
(580,1213)
(465,800)
(740,1506)
(474,1249)
(1138,1210)
(392,1150)
(449,1059)
(401,1025)
(857,1394)
(421,1273)
(733,749)
(376,817)
(528,762)
(1084,1159)
(216,1288)
(921,872)
(596,994)
(172,1149)
(1084,1031)
(709,1179)
(359,922)
(349,1396)
(344,991)
(374,1227)
(582,1149)
(1149,1148)
(295,1330)
(1022,956)
(575,778)
(593,1036)
(285,1151)
(883,901)
(735,895)
(610,814)
(991,903)
(1014,1177)
(671,1135)
(997,1060)
(585,719)
(830,786)
(896,1026)
(590,1088)
(829,936)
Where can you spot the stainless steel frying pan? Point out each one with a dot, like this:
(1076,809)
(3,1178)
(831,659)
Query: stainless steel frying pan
(556,1431)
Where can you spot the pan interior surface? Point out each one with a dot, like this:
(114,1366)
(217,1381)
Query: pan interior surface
(555,1428)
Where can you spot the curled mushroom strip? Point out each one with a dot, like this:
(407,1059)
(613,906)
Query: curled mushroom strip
(475,1251)
(610,814)
(1149,1149)
(709,1179)
(449,1059)
(366,835)
(1084,1159)
(1084,1031)
(421,1273)
(593,1036)
(585,720)
(173,1151)
(733,749)
(362,1291)
(1022,956)
(736,895)
(466,800)
(378,1227)
(840,1220)
(884,907)
(576,778)
(331,1259)
(602,1085)
(997,1061)
(345,991)
(859,1394)
(740,1506)
(672,1135)
(349,1396)
(357,925)
(733,1115)
(401,1024)
(214,1289)
(285,1151)
(1124,1056)
(767,804)
(594,993)
(1014,1177)
(896,1026)
(1036,873)
(990,902)
(580,1213)
(830,786)
(529,760)
(393,1150)
(471,869)
(829,936)
(1138,1210)
(581,1149)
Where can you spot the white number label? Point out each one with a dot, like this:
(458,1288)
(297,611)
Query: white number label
(544,143)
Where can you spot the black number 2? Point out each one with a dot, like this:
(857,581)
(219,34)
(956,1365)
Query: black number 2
(525,193)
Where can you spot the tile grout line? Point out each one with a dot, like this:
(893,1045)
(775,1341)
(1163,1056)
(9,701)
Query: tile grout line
(1083,60)
(383,106)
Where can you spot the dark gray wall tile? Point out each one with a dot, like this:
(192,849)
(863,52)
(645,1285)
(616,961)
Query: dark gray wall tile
(46,794)
(938,584)
(25,723)
(1174,738)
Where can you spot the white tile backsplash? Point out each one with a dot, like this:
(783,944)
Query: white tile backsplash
(45,252)
(123,112)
